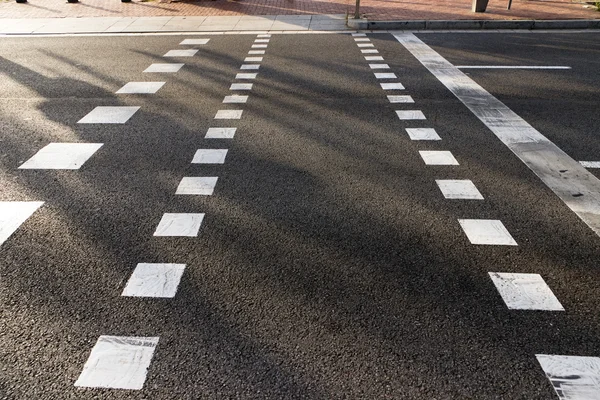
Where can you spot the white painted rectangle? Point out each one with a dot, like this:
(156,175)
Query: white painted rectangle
(181,53)
(392,86)
(154,280)
(259,46)
(246,76)
(264,35)
(379,66)
(229,114)
(438,157)
(253,59)
(235,99)
(373,58)
(422,134)
(250,66)
(220,133)
(410,114)
(197,185)
(62,156)
(179,224)
(525,292)
(487,232)
(363,45)
(256,52)
(194,41)
(210,156)
(369,51)
(165,68)
(385,75)
(109,115)
(140,88)
(512,67)
(463,189)
(118,362)
(359,34)
(400,99)
(262,40)
(572,377)
(241,86)
(364,39)
(13,214)
(590,164)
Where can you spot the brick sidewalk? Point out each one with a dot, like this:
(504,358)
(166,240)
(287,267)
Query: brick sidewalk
(374,9)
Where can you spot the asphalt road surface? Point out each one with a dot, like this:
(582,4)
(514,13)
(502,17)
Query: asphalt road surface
(328,262)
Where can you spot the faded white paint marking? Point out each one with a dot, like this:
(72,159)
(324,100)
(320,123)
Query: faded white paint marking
(438,157)
(410,114)
(13,214)
(422,134)
(525,292)
(463,189)
(256,52)
(250,66)
(154,280)
(259,46)
(379,66)
(229,114)
(240,86)
(181,53)
(373,58)
(359,34)
(246,76)
(511,67)
(261,41)
(264,35)
(167,68)
(118,362)
(362,40)
(365,45)
(487,231)
(109,115)
(236,98)
(253,59)
(400,99)
(180,224)
(210,156)
(590,164)
(62,156)
(392,86)
(197,185)
(385,75)
(140,88)
(220,133)
(572,377)
(194,41)
(571,182)
(369,51)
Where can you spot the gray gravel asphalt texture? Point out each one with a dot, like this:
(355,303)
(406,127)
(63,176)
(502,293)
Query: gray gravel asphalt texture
(328,265)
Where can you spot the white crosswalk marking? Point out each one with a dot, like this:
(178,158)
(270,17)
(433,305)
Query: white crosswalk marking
(410,114)
(179,224)
(487,232)
(210,156)
(463,189)
(400,99)
(164,68)
(525,292)
(246,76)
(438,157)
(392,86)
(385,75)
(62,156)
(154,280)
(229,114)
(181,53)
(194,41)
(240,86)
(140,88)
(572,377)
(220,133)
(422,134)
(235,99)
(109,115)
(13,214)
(197,185)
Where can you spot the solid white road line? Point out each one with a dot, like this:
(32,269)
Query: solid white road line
(487,232)
(410,114)
(246,76)
(438,157)
(180,224)
(197,185)
(109,115)
(168,68)
(392,86)
(140,88)
(572,183)
(210,156)
(181,53)
(229,114)
(220,133)
(194,41)
(463,189)
(236,98)
(422,134)
(240,86)
(154,280)
(510,67)
(400,99)
(385,75)
(13,214)
(525,292)
(590,164)
(572,377)
(118,362)
(62,156)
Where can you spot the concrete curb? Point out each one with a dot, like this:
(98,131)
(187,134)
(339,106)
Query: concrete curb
(365,24)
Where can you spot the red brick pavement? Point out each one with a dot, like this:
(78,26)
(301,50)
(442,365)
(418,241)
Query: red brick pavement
(374,9)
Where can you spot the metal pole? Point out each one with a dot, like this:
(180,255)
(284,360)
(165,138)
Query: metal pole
(357,10)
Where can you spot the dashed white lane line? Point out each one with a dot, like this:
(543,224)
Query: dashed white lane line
(194,41)
(250,66)
(197,185)
(220,133)
(369,51)
(164,68)
(410,114)
(154,280)
(236,99)
(240,86)
(400,99)
(363,45)
(264,35)
(362,40)
(525,292)
(118,362)
(253,59)
(229,114)
(590,164)
(256,52)
(259,46)
(572,183)
(359,34)
(422,134)
(109,115)
(385,75)
(62,156)
(261,41)
(379,66)
(210,156)
(512,67)
(13,214)
(246,76)
(179,224)
(140,88)
(438,157)
(373,58)
(572,377)
(181,53)
(487,232)
(392,86)
(462,189)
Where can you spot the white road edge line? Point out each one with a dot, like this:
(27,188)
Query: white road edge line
(512,67)
(569,180)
